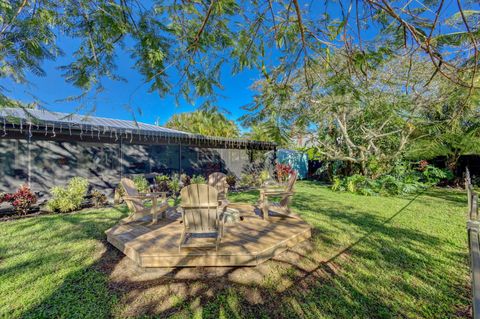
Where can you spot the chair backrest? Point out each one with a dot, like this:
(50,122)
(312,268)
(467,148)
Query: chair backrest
(285,201)
(219,182)
(200,208)
(291,181)
(131,190)
(129,186)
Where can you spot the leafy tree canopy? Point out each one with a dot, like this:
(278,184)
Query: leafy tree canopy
(366,116)
(205,122)
(180,46)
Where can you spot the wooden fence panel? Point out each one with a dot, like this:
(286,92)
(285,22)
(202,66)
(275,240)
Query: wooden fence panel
(473,227)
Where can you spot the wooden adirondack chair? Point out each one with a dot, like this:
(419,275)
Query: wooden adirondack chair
(285,193)
(202,216)
(136,202)
(219,182)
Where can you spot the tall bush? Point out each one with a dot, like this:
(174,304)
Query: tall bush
(70,198)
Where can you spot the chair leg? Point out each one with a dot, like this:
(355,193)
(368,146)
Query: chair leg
(265,208)
(182,238)
(217,243)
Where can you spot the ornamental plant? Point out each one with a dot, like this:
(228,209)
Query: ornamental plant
(198,179)
(422,165)
(247,180)
(162,182)
(99,198)
(185,180)
(174,184)
(21,200)
(283,172)
(141,184)
(231,180)
(70,198)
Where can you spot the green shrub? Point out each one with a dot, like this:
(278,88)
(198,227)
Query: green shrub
(231,180)
(99,198)
(433,175)
(247,180)
(337,184)
(70,198)
(141,184)
(383,185)
(198,179)
(185,180)
(162,183)
(264,176)
(174,184)
(403,178)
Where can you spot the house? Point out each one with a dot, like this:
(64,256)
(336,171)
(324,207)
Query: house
(46,148)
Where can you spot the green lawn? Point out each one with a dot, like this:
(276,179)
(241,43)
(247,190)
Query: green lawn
(375,257)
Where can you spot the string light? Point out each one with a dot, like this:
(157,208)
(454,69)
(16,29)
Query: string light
(4,127)
(53,130)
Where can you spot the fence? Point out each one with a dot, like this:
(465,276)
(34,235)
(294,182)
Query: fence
(473,229)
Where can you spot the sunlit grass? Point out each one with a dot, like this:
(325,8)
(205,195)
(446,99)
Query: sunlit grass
(377,257)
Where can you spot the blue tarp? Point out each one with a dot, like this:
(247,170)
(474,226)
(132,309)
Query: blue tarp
(297,160)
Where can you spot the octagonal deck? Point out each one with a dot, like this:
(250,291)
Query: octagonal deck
(248,242)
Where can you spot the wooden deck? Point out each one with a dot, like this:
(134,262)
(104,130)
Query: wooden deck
(248,242)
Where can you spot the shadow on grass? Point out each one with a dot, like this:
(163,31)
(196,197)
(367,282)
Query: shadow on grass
(385,271)
(456,196)
(84,292)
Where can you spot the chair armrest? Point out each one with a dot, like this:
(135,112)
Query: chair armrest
(154,194)
(130,197)
(277,193)
(223,203)
(198,206)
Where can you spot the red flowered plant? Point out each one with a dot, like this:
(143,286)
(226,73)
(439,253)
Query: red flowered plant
(283,172)
(21,200)
(422,165)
